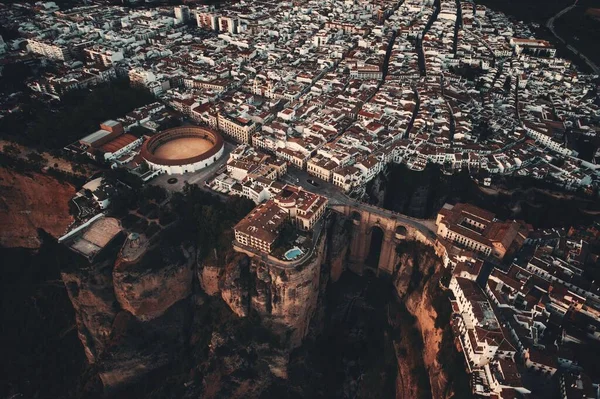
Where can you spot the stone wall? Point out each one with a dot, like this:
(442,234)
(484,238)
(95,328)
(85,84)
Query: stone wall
(364,222)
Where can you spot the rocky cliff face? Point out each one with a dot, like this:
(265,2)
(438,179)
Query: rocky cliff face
(235,284)
(231,362)
(31,202)
(209,277)
(415,283)
(131,313)
(277,304)
(376,190)
(148,293)
(339,238)
(134,313)
(136,348)
(284,297)
(91,292)
(287,297)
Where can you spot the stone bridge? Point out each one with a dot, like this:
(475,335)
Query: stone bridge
(394,227)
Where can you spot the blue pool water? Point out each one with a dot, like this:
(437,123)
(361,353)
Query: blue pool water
(292,253)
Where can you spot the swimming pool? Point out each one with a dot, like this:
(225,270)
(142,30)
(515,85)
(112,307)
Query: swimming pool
(293,253)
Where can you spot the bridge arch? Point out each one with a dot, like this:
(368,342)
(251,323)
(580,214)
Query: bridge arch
(401,231)
(375,237)
(376,225)
(389,228)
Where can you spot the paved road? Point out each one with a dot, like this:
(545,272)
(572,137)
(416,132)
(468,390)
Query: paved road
(550,25)
(300,178)
(336,197)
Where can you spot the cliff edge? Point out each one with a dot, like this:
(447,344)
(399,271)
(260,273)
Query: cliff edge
(416,284)
(147,282)
(29,202)
(132,308)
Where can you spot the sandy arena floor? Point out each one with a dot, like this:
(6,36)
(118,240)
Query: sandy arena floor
(182,148)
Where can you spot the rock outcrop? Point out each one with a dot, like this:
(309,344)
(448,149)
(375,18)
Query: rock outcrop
(137,347)
(377,190)
(91,292)
(238,370)
(132,313)
(339,238)
(147,292)
(291,294)
(415,283)
(285,297)
(235,285)
(209,277)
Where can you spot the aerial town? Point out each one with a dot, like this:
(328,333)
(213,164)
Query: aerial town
(300,107)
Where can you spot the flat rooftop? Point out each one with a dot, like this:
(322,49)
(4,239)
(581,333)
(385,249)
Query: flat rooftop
(92,138)
(95,237)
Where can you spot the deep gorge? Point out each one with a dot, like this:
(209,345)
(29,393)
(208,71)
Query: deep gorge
(244,329)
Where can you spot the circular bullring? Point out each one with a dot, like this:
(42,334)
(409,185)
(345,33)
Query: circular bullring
(183,149)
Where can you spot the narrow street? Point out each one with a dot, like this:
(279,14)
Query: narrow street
(457,26)
(419,44)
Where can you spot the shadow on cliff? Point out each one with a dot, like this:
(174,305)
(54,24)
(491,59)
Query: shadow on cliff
(41,355)
(353,357)
(383,337)
(540,203)
(428,360)
(150,329)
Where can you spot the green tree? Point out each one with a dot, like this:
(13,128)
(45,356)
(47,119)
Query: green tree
(287,232)
(140,131)
(11,150)
(123,201)
(205,220)
(78,114)
(122,176)
(36,159)
(154,193)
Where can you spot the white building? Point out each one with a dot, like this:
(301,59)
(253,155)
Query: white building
(182,14)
